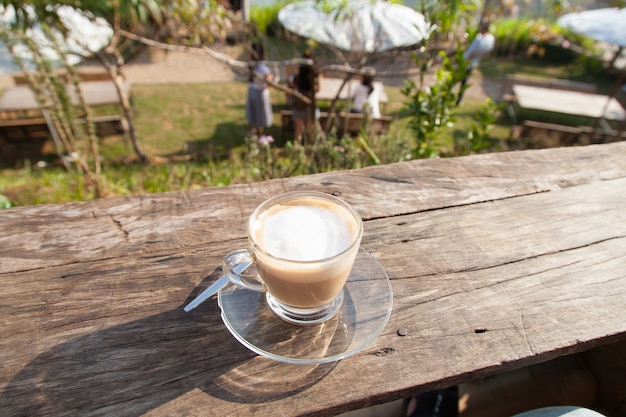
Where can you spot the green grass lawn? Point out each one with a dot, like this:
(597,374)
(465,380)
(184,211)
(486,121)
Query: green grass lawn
(173,119)
(196,116)
(188,118)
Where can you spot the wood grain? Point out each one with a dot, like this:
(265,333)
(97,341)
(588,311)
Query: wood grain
(497,262)
(170,221)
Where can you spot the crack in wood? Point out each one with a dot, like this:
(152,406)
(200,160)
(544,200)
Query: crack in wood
(119,227)
(454,206)
(525,332)
(537,256)
(390,179)
(169,258)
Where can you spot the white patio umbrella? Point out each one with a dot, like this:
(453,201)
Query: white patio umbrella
(604,25)
(358,25)
(85,37)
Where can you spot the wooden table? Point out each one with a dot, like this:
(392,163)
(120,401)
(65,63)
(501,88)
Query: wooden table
(95,93)
(595,106)
(497,262)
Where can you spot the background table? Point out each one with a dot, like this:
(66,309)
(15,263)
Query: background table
(95,93)
(497,262)
(569,102)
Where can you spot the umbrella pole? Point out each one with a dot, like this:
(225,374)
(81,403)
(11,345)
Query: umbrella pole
(617,54)
(602,117)
(620,81)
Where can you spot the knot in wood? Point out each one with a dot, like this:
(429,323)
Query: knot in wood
(383,351)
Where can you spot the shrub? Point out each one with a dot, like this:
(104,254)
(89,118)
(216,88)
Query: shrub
(429,108)
(538,39)
(266,18)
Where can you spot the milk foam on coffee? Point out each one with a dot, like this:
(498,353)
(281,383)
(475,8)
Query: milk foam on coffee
(305,230)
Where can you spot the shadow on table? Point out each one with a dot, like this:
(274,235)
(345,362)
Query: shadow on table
(132,368)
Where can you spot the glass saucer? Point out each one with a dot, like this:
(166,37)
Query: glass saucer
(365,311)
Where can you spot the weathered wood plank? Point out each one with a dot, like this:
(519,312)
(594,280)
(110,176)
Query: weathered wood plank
(156,344)
(483,283)
(145,224)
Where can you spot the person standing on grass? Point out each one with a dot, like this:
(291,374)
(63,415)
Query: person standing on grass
(258,103)
(366,97)
(305,115)
(482,45)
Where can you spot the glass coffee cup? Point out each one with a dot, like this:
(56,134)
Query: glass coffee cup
(303,245)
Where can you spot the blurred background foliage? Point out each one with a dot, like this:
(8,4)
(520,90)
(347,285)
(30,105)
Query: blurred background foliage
(188,149)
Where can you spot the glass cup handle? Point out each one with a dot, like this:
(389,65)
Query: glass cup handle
(240,268)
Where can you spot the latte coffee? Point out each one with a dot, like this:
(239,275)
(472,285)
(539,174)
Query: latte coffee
(304,247)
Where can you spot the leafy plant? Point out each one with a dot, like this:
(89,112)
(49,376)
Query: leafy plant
(266,18)
(429,108)
(71,125)
(538,39)
(448,15)
(478,135)
(4,202)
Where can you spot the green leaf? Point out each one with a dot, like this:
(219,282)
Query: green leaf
(4,202)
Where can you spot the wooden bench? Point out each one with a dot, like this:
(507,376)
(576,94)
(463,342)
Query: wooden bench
(22,138)
(25,138)
(353,123)
(548,134)
(553,135)
(350,123)
(18,130)
(110,125)
(19,114)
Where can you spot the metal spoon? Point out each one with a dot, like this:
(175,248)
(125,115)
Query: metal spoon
(215,287)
